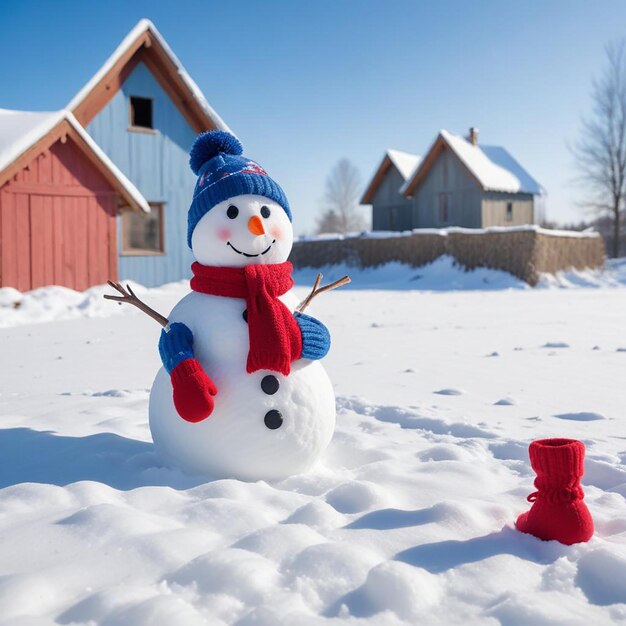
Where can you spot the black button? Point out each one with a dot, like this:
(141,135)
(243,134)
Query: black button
(273,419)
(270,384)
(245,315)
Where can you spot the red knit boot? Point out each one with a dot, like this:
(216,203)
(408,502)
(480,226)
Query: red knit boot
(558,511)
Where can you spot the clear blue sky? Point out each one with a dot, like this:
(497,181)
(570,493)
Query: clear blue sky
(306,83)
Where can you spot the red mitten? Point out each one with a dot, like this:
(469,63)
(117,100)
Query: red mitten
(193,391)
(558,511)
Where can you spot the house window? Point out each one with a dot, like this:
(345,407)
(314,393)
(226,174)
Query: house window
(142,233)
(509,211)
(141,112)
(444,209)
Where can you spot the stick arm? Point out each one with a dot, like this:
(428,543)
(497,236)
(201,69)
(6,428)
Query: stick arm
(128,297)
(317,290)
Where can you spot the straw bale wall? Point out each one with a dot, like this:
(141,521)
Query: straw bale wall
(525,253)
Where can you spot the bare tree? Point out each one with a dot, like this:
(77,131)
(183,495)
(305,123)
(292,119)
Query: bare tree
(329,222)
(341,199)
(601,152)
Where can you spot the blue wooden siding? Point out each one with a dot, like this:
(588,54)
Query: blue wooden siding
(158,164)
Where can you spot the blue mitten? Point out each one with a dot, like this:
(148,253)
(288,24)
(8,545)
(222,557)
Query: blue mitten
(192,389)
(175,345)
(315,337)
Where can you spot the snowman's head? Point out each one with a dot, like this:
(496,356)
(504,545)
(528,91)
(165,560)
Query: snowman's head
(243,230)
(238,214)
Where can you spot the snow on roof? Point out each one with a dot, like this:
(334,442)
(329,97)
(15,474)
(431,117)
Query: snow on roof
(404,161)
(493,166)
(142,26)
(501,157)
(20,130)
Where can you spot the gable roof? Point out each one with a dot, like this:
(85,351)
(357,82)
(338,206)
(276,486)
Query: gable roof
(404,162)
(144,43)
(492,167)
(24,134)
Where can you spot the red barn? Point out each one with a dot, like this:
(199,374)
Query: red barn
(59,197)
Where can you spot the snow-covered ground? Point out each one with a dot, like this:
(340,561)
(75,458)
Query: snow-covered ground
(442,379)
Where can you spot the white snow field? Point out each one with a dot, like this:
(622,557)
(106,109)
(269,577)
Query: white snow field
(442,379)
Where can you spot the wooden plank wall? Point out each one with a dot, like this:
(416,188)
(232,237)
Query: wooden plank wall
(158,164)
(464,196)
(387,199)
(494,209)
(57,221)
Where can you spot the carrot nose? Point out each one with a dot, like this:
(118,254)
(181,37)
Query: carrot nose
(255,225)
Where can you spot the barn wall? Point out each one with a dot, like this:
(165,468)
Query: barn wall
(390,210)
(158,164)
(494,209)
(464,199)
(57,219)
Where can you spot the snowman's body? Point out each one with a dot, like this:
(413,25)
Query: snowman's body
(240,395)
(235,440)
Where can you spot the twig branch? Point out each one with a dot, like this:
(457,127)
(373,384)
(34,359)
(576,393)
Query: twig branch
(129,297)
(317,290)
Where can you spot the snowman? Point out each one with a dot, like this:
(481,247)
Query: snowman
(242,393)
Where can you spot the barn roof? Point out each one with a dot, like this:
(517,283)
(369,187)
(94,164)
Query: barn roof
(493,168)
(404,162)
(24,132)
(144,43)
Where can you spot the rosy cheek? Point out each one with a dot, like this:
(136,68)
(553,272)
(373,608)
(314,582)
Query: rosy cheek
(276,232)
(224,234)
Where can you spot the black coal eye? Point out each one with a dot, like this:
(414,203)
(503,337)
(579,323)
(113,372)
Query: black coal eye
(232,211)
(265,211)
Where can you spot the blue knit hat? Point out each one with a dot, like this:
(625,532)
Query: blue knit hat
(223,173)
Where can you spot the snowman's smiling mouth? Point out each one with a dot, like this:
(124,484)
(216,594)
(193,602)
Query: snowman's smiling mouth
(251,255)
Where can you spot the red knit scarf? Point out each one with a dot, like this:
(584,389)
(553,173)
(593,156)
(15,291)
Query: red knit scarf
(275,338)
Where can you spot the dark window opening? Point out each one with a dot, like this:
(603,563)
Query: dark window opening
(509,211)
(141,112)
(142,233)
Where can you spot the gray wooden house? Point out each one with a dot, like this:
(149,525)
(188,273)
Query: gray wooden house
(390,209)
(459,183)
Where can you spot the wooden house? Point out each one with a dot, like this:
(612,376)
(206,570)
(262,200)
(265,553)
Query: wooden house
(59,197)
(139,113)
(462,183)
(390,209)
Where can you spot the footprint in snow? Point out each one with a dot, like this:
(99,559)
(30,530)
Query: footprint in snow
(449,392)
(584,416)
(555,344)
(493,354)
